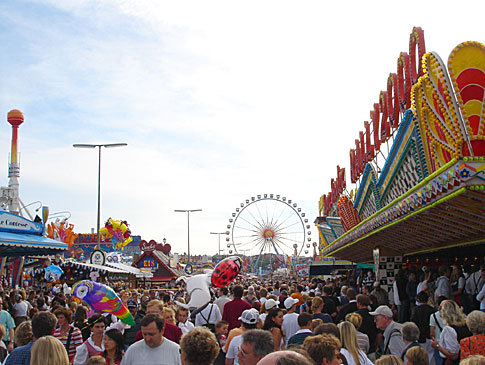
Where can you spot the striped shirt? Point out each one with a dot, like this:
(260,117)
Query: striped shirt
(76,340)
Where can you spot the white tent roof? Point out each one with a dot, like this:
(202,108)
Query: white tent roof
(132,270)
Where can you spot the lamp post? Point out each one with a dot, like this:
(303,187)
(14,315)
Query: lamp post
(188,211)
(107,145)
(219,233)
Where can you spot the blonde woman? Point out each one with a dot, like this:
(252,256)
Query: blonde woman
(474,345)
(350,348)
(48,350)
(362,338)
(317,308)
(389,360)
(454,331)
(473,360)
(417,356)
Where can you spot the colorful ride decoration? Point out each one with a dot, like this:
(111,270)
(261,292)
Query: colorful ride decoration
(116,231)
(102,298)
(450,109)
(61,231)
(432,183)
(226,271)
(348,214)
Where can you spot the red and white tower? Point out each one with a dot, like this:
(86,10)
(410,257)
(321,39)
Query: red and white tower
(15,118)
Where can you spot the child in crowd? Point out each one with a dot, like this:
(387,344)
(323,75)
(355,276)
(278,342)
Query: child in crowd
(222,328)
(182,320)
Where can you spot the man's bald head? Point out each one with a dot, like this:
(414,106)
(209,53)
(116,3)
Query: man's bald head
(284,358)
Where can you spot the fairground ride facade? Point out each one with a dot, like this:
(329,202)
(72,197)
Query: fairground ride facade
(427,200)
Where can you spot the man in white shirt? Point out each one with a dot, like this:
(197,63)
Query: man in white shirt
(210,315)
(290,319)
(473,285)
(154,349)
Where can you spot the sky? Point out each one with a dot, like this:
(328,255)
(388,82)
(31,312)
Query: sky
(218,101)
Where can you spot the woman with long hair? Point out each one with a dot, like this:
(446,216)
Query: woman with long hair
(454,331)
(350,348)
(362,339)
(273,323)
(48,350)
(114,347)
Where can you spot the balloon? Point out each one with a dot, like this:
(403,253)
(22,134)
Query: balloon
(166,248)
(226,271)
(198,289)
(116,231)
(59,231)
(53,272)
(102,299)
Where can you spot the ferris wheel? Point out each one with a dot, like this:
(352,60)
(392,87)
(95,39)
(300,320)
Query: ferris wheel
(268,223)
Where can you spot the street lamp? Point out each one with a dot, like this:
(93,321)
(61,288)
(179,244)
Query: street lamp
(188,211)
(107,145)
(219,233)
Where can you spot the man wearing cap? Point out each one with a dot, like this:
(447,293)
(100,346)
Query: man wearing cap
(130,333)
(269,304)
(392,340)
(290,319)
(249,319)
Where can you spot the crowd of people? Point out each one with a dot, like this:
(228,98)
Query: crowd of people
(430,317)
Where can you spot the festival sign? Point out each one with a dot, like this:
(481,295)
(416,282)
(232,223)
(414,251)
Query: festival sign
(13,223)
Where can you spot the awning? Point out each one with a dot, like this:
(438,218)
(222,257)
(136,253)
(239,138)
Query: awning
(132,270)
(445,210)
(17,244)
(101,268)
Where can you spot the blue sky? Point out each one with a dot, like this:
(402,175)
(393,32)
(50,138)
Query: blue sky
(218,101)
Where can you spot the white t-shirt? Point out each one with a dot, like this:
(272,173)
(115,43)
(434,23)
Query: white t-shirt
(436,321)
(290,325)
(168,353)
(449,340)
(233,349)
(186,327)
(21,309)
(263,316)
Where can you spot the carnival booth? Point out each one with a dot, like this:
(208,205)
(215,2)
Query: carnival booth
(21,238)
(426,194)
(155,259)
